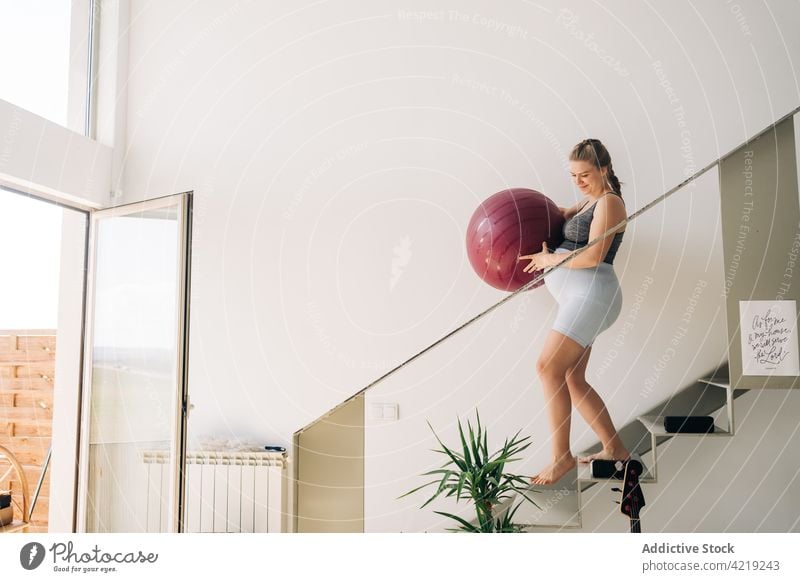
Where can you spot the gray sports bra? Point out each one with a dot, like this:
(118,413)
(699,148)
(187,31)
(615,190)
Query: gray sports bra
(576,232)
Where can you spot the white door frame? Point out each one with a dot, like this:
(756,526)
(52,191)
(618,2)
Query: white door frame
(180,407)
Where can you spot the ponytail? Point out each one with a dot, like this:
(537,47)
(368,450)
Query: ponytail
(616,185)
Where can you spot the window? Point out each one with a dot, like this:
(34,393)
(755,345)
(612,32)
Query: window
(35,44)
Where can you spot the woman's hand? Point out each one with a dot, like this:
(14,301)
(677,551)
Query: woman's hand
(539,261)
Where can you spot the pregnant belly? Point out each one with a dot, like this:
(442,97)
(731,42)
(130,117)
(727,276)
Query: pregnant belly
(596,283)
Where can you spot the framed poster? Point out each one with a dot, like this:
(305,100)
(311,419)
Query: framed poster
(769,338)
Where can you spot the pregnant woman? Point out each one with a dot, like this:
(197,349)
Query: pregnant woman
(589,301)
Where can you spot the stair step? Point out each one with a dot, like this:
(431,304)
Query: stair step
(721,381)
(585,472)
(655,425)
(559,506)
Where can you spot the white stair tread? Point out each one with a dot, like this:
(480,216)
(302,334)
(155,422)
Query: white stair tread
(655,424)
(585,472)
(721,381)
(558,508)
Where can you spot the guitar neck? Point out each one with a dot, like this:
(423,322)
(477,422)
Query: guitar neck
(632,498)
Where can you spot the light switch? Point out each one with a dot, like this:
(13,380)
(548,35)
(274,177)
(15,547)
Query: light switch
(383,411)
(376,411)
(390,412)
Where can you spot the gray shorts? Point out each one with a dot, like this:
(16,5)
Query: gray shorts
(589,300)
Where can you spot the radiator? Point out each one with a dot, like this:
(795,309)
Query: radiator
(226,492)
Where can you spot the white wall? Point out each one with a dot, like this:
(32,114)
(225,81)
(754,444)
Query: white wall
(337,151)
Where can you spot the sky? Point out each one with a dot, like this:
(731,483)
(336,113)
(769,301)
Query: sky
(35,35)
(34,42)
(30,239)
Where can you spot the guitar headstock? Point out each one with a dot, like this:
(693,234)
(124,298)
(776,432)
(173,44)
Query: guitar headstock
(632,498)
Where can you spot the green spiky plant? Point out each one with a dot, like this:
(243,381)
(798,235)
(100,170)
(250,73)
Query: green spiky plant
(475,475)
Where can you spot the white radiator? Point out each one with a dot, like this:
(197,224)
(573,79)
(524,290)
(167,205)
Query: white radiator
(226,492)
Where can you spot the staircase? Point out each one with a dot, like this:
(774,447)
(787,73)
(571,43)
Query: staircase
(712,394)
(560,504)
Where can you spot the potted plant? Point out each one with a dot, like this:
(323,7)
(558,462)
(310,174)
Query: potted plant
(472,473)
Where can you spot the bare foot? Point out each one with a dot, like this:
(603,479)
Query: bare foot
(620,454)
(555,471)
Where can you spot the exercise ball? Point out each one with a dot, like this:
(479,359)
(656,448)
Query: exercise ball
(506,225)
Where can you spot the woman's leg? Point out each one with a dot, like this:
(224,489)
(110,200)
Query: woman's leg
(560,354)
(593,410)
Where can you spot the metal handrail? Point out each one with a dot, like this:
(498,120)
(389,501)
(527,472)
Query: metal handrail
(544,274)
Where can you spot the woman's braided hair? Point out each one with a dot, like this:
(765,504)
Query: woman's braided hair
(593,151)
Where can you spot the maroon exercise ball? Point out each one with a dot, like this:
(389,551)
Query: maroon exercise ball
(506,225)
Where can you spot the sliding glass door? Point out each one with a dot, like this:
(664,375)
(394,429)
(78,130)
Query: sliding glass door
(134,402)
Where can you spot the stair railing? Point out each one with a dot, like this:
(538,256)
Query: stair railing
(545,273)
